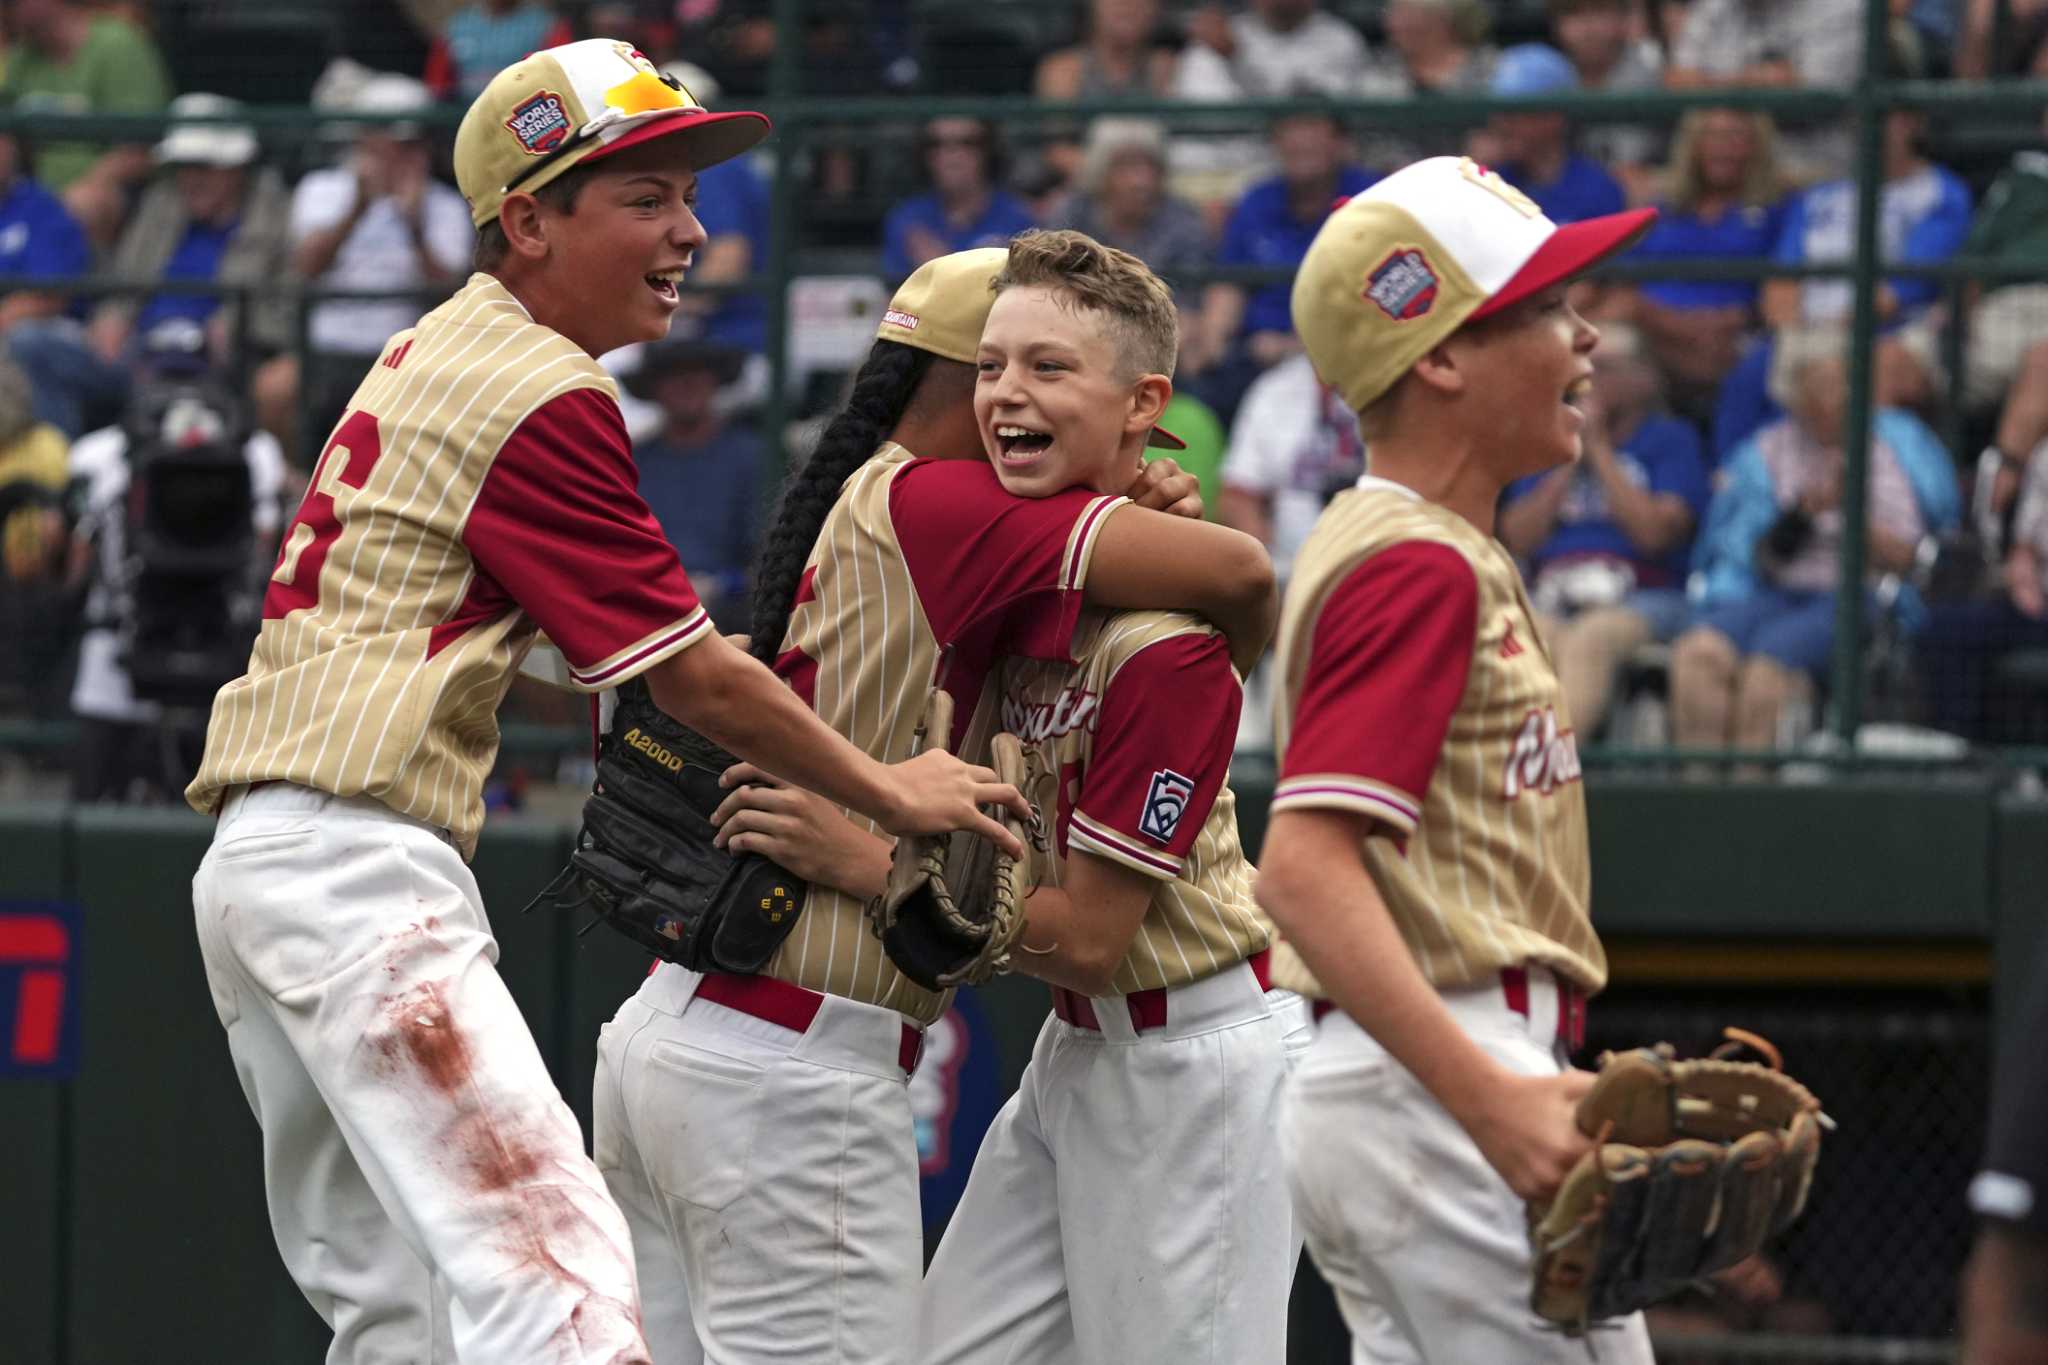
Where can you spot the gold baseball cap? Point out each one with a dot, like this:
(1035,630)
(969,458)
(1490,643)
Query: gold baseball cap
(944,305)
(1437,244)
(576,103)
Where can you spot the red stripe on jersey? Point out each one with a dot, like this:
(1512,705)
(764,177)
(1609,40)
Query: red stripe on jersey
(806,587)
(800,671)
(483,603)
(1387,666)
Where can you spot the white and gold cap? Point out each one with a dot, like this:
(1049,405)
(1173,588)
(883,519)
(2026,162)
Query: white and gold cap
(1404,264)
(567,105)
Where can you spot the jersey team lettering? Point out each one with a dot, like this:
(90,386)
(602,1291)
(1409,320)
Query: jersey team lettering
(1035,722)
(1542,758)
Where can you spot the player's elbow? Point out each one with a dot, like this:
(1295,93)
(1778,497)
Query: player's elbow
(1285,886)
(705,688)
(1092,966)
(1247,571)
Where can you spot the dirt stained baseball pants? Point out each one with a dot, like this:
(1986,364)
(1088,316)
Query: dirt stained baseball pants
(427,1186)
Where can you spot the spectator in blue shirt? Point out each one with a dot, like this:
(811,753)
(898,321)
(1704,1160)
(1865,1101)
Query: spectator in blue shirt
(38,239)
(700,476)
(1923,216)
(965,208)
(1536,153)
(1605,541)
(486,36)
(1245,329)
(1725,201)
(732,204)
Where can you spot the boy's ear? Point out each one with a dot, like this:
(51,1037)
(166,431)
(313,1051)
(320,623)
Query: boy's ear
(1149,397)
(525,230)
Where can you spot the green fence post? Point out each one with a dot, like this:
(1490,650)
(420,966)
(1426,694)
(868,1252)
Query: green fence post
(785,77)
(1870,108)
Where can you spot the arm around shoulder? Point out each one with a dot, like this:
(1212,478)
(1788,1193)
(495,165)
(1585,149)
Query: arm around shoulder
(1151,561)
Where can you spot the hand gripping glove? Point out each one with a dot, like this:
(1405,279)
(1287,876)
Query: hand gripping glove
(954,903)
(644,862)
(1695,1165)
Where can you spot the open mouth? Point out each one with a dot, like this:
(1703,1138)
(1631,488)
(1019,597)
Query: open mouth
(1019,445)
(1576,391)
(664,283)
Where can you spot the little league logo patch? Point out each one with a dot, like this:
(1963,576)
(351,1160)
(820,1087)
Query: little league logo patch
(1404,285)
(1165,803)
(540,122)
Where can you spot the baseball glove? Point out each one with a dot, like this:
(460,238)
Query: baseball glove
(644,862)
(954,903)
(1696,1164)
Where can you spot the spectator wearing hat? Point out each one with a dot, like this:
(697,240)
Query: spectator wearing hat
(69,57)
(1599,38)
(1123,201)
(377,221)
(1242,329)
(215,215)
(484,37)
(700,475)
(965,207)
(1536,154)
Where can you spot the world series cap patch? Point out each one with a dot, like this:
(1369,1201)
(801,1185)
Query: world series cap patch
(1404,285)
(540,122)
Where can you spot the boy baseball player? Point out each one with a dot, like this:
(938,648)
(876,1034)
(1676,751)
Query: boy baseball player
(424,1177)
(1427,853)
(1128,1203)
(756,1130)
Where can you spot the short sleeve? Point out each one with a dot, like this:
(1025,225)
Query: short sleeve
(1157,765)
(1676,464)
(321,200)
(992,569)
(1265,434)
(1387,665)
(560,526)
(58,248)
(1790,248)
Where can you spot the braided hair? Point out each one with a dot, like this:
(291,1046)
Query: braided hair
(882,391)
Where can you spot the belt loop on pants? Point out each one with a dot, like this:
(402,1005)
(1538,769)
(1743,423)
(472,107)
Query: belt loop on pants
(1147,1007)
(1571,1003)
(791,1006)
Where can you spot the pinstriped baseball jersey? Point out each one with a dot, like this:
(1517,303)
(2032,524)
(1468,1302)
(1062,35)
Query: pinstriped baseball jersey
(1128,750)
(479,488)
(1414,689)
(919,558)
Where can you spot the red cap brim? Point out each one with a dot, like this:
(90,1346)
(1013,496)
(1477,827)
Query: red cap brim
(1573,248)
(708,138)
(1162,439)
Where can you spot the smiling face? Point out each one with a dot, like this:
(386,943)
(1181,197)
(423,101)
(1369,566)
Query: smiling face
(1524,372)
(618,252)
(1055,406)
(1723,144)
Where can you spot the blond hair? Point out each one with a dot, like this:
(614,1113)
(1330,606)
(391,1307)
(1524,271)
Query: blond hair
(1101,279)
(1764,184)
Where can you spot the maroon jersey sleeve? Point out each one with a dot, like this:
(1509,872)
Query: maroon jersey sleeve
(995,572)
(560,527)
(1163,740)
(1387,665)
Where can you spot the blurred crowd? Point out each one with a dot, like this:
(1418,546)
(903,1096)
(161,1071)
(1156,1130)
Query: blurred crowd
(1687,571)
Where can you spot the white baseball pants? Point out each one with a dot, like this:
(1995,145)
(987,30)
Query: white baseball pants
(427,1185)
(769,1177)
(1128,1203)
(1425,1245)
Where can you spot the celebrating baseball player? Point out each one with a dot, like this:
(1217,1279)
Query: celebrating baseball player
(479,489)
(756,1128)
(1427,854)
(1128,1203)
